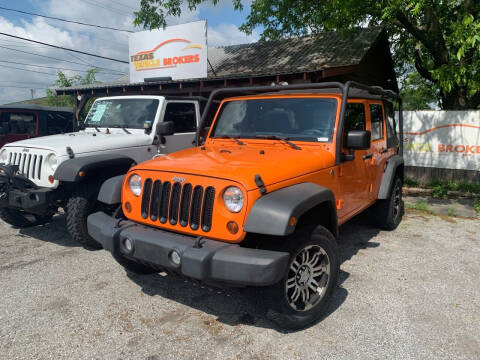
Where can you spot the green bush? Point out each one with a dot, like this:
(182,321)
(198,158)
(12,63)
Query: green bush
(442,187)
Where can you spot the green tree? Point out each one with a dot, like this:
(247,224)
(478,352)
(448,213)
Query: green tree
(440,39)
(417,93)
(63,81)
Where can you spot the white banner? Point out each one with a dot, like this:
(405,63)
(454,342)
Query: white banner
(177,52)
(442,139)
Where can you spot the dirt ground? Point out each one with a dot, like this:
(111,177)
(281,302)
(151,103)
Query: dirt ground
(409,294)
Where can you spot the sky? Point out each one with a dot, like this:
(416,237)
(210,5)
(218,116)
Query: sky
(16,83)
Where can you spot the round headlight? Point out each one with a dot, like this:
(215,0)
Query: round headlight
(3,156)
(52,161)
(233,199)
(135,183)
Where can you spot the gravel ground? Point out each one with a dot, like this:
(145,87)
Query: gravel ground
(409,294)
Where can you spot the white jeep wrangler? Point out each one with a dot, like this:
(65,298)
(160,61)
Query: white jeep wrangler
(38,176)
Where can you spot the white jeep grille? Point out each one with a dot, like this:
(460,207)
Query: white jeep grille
(28,164)
(32,164)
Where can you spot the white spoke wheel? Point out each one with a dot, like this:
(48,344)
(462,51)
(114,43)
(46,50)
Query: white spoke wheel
(307,278)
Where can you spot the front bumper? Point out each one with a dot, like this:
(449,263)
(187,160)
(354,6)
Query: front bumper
(18,192)
(212,261)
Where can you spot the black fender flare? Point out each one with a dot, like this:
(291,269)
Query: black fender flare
(271,213)
(111,191)
(389,175)
(69,169)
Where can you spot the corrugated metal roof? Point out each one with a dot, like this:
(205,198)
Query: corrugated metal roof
(289,55)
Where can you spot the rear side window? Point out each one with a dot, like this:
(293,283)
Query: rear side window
(59,123)
(354,119)
(19,123)
(376,116)
(182,115)
(392,139)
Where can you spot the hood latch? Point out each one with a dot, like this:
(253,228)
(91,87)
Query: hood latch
(261,185)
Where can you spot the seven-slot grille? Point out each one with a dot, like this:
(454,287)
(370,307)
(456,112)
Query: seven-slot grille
(178,204)
(28,164)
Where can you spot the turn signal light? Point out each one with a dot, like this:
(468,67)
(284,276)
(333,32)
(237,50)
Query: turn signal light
(232,227)
(292,221)
(51,179)
(128,207)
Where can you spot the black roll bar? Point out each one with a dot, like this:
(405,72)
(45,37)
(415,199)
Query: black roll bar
(344,88)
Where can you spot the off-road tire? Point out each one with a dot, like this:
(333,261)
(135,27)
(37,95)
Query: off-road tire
(19,219)
(134,267)
(277,295)
(79,206)
(388,213)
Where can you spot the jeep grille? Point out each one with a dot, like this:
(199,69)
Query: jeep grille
(178,204)
(28,164)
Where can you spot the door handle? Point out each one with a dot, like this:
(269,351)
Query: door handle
(365,157)
(383,151)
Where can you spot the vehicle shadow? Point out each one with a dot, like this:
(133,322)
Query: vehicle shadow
(236,306)
(54,232)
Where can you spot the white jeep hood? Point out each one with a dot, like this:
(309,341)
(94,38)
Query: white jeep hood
(86,141)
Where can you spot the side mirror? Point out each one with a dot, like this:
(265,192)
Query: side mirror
(165,128)
(358,140)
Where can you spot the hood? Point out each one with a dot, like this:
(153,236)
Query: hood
(241,163)
(85,141)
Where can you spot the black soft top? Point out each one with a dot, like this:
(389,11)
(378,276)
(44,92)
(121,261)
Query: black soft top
(36,107)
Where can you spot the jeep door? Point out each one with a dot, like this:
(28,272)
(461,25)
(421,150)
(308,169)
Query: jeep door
(17,125)
(378,149)
(354,178)
(185,116)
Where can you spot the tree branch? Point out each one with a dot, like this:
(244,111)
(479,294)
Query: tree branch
(469,6)
(421,69)
(421,36)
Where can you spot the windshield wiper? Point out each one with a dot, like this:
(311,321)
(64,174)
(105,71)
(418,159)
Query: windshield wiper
(233,138)
(124,129)
(274,137)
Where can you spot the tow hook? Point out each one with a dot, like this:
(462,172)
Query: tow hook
(198,244)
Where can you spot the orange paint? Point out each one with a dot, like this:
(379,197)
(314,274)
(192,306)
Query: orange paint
(441,127)
(161,44)
(221,163)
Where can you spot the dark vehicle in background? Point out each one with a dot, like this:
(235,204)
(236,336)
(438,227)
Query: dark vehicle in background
(24,121)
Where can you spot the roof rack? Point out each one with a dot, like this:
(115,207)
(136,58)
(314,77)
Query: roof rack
(344,88)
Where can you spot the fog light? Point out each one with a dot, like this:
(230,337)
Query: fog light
(232,227)
(128,207)
(51,179)
(128,245)
(175,257)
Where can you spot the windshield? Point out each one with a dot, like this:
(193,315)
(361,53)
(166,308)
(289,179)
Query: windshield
(128,113)
(303,119)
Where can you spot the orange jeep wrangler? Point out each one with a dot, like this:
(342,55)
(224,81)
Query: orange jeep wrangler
(260,202)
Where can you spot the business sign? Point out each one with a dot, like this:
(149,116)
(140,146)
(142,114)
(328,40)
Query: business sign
(442,139)
(177,52)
